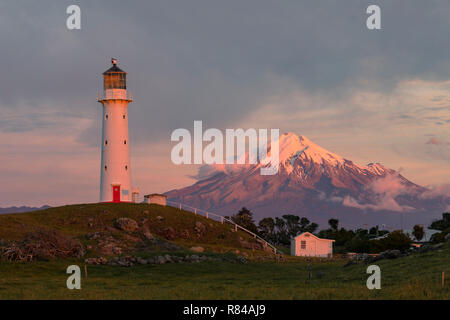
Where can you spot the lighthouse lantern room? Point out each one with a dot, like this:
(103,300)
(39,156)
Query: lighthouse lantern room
(115,177)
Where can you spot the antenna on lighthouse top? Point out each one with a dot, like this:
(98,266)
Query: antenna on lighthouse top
(113,61)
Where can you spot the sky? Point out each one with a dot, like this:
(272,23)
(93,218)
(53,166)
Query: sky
(308,67)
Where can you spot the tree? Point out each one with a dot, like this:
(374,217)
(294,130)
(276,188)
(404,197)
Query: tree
(266,228)
(395,240)
(334,223)
(442,224)
(244,218)
(281,233)
(292,224)
(418,232)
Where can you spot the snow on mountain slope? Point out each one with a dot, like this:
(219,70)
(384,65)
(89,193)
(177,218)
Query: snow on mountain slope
(313,182)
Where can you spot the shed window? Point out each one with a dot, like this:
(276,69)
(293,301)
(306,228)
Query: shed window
(126,167)
(123,116)
(106,168)
(106,142)
(124,141)
(106,117)
(303,244)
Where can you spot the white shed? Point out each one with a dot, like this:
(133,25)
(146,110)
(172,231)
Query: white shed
(308,245)
(156,198)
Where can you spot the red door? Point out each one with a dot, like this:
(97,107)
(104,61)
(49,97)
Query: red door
(116,193)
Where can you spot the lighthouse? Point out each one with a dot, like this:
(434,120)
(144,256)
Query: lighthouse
(115,177)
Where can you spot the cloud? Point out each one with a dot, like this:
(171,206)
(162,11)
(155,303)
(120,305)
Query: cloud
(437,191)
(435,141)
(384,191)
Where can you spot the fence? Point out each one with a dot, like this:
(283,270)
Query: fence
(222,219)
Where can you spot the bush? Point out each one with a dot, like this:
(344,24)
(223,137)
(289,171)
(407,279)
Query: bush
(395,240)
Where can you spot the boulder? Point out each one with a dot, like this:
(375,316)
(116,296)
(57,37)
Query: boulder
(126,224)
(447,237)
(96,261)
(197,249)
(390,254)
(199,228)
(93,236)
(241,260)
(140,260)
(169,233)
(146,232)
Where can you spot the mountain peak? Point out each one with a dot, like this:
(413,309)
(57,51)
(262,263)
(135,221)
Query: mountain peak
(292,147)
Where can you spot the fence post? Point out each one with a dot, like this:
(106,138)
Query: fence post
(221,220)
(235,227)
(180,206)
(195,211)
(206,215)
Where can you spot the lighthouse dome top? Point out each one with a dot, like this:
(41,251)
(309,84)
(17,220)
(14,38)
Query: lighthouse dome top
(114,68)
(114,77)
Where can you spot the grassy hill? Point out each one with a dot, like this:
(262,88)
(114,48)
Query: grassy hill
(417,276)
(165,223)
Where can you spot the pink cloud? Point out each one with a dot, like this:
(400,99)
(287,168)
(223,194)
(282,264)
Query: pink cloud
(384,191)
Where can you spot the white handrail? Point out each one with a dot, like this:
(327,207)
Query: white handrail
(208,214)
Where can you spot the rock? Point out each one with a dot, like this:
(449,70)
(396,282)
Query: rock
(146,232)
(117,250)
(126,224)
(251,245)
(199,228)
(141,260)
(447,237)
(93,236)
(160,260)
(197,249)
(169,233)
(148,235)
(390,254)
(185,234)
(159,218)
(96,261)
(241,260)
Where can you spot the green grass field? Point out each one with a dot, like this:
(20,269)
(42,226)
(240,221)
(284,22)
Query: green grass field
(413,277)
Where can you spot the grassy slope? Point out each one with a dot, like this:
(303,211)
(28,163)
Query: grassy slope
(412,277)
(78,220)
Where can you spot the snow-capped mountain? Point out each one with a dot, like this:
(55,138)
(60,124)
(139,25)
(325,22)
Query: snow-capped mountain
(316,183)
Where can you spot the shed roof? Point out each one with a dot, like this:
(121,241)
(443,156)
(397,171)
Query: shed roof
(314,236)
(155,194)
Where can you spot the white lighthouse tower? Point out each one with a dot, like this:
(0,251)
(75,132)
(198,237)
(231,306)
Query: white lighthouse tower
(115,178)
